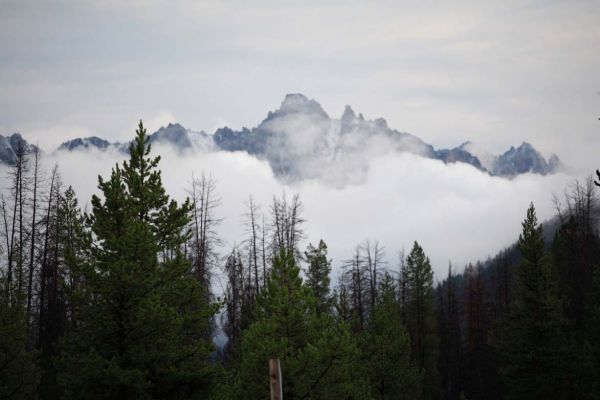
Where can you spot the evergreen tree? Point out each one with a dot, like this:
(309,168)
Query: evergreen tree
(75,251)
(140,319)
(386,349)
(532,347)
(19,375)
(450,361)
(481,379)
(421,318)
(317,354)
(317,276)
(589,362)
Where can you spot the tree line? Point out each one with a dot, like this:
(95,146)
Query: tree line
(119,302)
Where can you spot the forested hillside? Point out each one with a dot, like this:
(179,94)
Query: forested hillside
(121,301)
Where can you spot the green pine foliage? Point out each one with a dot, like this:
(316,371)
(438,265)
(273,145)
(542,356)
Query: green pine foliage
(317,276)
(532,344)
(141,313)
(386,349)
(318,356)
(19,373)
(421,319)
(75,242)
(590,361)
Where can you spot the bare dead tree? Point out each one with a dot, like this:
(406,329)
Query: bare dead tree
(10,232)
(52,299)
(263,242)
(581,205)
(578,238)
(36,173)
(236,295)
(14,225)
(252,229)
(47,273)
(205,240)
(6,234)
(403,283)
(354,280)
(374,256)
(286,225)
(22,165)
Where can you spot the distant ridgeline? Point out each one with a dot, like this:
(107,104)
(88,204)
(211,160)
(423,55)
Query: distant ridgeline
(300,141)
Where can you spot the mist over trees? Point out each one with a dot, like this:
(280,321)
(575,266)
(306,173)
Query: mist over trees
(121,301)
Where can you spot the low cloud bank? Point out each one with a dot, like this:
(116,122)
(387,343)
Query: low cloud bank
(455,211)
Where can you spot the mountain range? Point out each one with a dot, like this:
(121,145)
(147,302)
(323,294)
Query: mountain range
(301,141)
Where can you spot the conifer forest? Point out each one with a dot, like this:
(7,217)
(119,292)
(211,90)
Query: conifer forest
(120,300)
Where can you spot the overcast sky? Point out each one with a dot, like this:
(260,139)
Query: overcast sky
(445,71)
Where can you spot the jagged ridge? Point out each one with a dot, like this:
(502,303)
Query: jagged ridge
(300,140)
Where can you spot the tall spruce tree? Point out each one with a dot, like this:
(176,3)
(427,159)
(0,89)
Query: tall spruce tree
(317,276)
(532,344)
(421,318)
(451,355)
(386,349)
(142,313)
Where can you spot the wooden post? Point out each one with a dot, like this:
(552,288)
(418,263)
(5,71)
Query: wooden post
(276,379)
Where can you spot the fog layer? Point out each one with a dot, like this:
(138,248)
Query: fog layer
(455,211)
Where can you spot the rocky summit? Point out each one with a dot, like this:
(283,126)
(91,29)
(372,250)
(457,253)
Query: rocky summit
(301,141)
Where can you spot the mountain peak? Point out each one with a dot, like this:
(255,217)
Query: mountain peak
(348,121)
(554,164)
(297,103)
(348,114)
(381,123)
(9,146)
(85,143)
(520,160)
(525,146)
(298,137)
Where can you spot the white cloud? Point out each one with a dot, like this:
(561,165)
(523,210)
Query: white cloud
(456,212)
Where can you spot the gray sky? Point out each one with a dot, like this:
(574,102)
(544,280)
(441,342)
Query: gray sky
(448,72)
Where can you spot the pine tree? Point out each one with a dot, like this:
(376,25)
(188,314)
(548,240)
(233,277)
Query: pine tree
(451,361)
(421,318)
(386,349)
(317,276)
(75,255)
(318,356)
(532,347)
(140,323)
(480,377)
(19,374)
